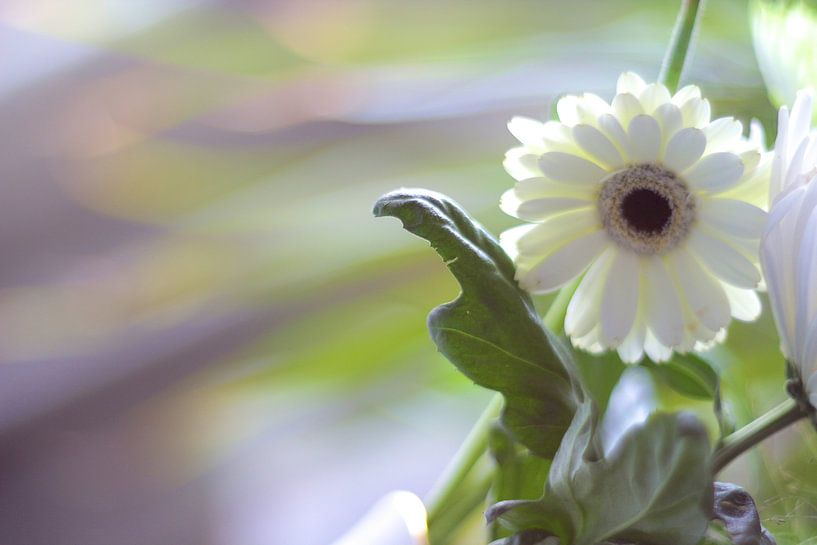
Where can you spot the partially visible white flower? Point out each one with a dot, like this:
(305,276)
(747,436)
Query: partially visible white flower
(399,518)
(789,244)
(657,207)
(783,34)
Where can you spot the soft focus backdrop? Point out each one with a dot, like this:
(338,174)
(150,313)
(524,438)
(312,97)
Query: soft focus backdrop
(205,336)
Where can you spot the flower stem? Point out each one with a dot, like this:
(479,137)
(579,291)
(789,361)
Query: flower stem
(555,316)
(680,43)
(756,431)
(472,449)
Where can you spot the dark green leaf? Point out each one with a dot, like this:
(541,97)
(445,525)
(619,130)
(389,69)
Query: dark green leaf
(600,374)
(653,487)
(518,474)
(532,537)
(492,332)
(736,509)
(688,375)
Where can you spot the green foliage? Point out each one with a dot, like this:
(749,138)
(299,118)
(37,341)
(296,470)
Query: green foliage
(492,332)
(688,375)
(653,487)
(519,474)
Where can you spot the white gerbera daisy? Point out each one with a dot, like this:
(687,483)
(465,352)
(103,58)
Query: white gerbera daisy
(644,198)
(789,246)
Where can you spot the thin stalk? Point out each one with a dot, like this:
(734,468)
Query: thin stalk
(756,431)
(680,43)
(475,445)
(468,499)
(555,316)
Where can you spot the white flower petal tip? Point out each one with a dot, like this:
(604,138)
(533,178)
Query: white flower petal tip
(399,518)
(715,173)
(630,82)
(645,203)
(789,243)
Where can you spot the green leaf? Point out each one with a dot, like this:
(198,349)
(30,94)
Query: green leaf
(533,537)
(518,474)
(492,332)
(653,487)
(688,375)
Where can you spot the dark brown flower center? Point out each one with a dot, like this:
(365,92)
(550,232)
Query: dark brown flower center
(646,208)
(646,211)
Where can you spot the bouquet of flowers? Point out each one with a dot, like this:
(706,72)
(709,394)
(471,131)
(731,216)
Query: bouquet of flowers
(655,225)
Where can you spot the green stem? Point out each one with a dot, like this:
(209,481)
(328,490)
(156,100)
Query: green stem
(468,499)
(680,43)
(756,431)
(555,316)
(474,446)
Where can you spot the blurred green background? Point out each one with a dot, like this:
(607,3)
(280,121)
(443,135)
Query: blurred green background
(205,336)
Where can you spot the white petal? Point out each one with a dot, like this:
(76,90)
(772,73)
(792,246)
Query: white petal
(780,158)
(557,137)
(564,264)
(565,167)
(703,293)
(684,149)
(631,350)
(547,236)
(809,351)
(630,82)
(528,131)
(737,218)
(566,110)
(722,134)
(696,112)
(685,93)
(757,135)
(585,305)
(653,96)
(663,304)
(656,351)
(521,163)
(800,117)
(598,146)
(788,201)
(670,119)
(750,159)
(620,298)
(589,342)
(609,124)
(811,388)
(538,187)
(626,107)
(509,239)
(538,209)
(723,260)
(590,107)
(645,139)
(806,266)
(714,173)
(745,304)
